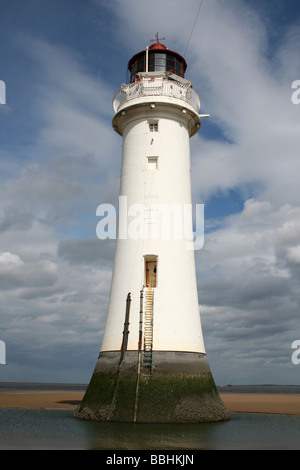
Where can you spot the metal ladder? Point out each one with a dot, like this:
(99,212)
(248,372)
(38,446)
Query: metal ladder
(148,328)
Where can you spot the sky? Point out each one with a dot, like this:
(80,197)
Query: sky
(62,62)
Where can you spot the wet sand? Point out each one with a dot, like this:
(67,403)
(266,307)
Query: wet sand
(234,402)
(275,403)
(36,399)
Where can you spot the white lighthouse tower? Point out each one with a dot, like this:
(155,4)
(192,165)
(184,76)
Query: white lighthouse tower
(152,366)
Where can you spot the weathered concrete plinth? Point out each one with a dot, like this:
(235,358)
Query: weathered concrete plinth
(179,389)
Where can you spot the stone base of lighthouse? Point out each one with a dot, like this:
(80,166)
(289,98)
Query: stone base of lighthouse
(178,389)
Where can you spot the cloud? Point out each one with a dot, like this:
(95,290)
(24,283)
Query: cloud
(54,289)
(17,274)
(68,170)
(68,77)
(75,106)
(91,251)
(293,254)
(241,84)
(52,315)
(249,290)
(7,258)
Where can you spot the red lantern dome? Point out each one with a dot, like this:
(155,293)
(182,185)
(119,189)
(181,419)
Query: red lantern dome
(157,46)
(159,58)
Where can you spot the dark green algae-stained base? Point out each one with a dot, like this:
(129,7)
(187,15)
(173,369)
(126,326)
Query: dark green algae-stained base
(180,389)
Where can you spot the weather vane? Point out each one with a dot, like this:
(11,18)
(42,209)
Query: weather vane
(157,39)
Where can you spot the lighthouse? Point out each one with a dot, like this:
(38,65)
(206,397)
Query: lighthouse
(152,365)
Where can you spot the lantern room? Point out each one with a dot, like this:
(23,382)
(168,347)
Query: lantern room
(156,59)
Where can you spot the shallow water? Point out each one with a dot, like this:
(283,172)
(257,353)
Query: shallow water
(57,429)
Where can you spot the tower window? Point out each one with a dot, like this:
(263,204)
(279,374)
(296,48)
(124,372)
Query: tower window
(153,126)
(152,163)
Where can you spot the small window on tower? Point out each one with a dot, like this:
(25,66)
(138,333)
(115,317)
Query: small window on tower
(152,163)
(153,126)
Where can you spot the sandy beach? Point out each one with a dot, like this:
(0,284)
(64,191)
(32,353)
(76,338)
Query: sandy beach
(235,402)
(262,403)
(36,399)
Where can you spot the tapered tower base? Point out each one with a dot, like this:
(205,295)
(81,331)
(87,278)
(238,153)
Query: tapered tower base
(179,388)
